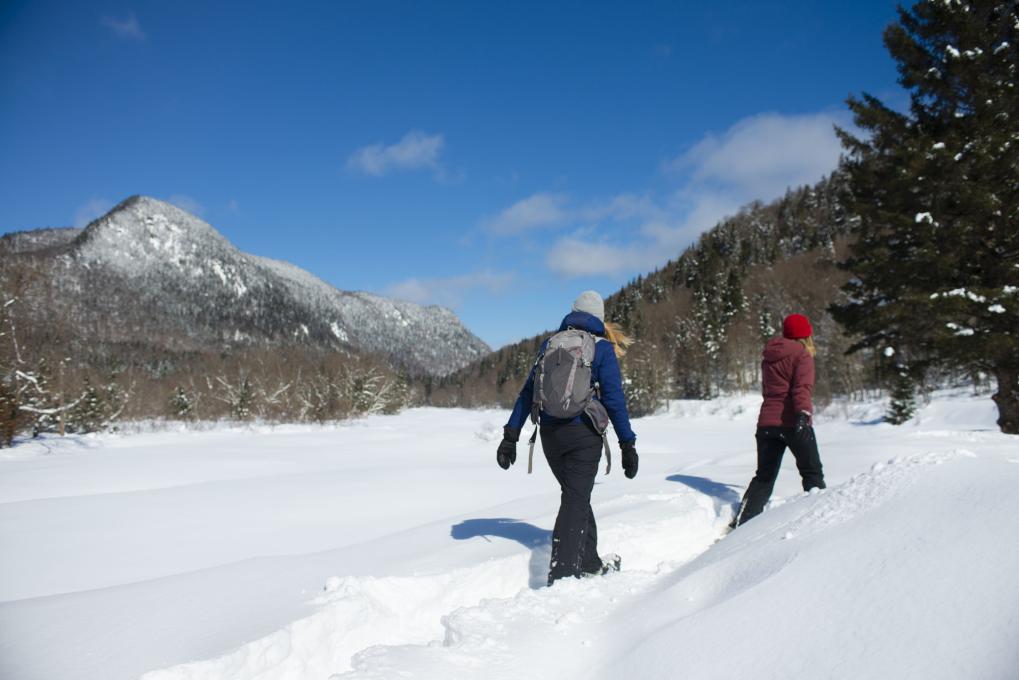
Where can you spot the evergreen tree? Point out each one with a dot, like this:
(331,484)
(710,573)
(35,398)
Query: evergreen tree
(182,405)
(646,381)
(243,400)
(96,408)
(89,414)
(936,262)
(401,394)
(690,361)
(368,391)
(765,327)
(903,402)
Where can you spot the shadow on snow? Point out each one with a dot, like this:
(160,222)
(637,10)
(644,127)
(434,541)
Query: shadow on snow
(535,539)
(723,493)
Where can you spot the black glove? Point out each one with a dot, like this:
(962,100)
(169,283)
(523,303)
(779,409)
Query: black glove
(801,431)
(507,453)
(629,459)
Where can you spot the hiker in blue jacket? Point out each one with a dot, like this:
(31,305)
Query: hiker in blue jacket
(573,447)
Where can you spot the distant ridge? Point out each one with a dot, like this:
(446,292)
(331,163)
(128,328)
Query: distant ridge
(150,273)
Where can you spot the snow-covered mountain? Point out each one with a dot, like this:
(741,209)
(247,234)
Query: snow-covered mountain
(148,272)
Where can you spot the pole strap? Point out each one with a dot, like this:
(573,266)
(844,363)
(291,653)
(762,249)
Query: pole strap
(608,453)
(530,450)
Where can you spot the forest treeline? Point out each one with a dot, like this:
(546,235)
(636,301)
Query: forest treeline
(700,320)
(55,380)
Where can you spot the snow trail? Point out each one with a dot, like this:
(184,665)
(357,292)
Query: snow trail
(462,607)
(355,613)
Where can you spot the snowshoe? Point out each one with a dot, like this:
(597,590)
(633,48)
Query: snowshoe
(610,562)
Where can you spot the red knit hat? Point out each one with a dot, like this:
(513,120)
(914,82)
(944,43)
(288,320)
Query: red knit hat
(796,326)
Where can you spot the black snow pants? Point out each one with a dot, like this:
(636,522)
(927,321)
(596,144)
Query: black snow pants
(771,444)
(573,452)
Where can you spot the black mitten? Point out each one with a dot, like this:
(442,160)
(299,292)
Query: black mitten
(507,453)
(630,459)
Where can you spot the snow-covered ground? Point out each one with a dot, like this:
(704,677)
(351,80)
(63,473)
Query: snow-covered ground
(395,547)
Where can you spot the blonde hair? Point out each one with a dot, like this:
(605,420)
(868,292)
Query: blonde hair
(808,342)
(619,339)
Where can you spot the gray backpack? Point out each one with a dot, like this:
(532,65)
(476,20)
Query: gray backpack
(563,387)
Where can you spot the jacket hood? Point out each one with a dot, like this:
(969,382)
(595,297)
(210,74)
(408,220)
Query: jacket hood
(780,348)
(584,322)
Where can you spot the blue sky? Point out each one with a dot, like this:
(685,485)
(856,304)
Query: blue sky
(494,157)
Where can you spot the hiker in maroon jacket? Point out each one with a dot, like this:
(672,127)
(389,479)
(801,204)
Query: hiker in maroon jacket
(787,379)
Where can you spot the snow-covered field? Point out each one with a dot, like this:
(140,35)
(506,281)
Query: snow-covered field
(395,547)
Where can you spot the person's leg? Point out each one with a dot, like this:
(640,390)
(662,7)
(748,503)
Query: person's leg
(808,460)
(554,456)
(590,560)
(573,452)
(770,447)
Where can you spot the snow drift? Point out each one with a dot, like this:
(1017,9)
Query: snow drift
(396,548)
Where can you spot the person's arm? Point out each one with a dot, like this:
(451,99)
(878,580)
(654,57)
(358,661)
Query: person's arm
(610,380)
(803,384)
(522,408)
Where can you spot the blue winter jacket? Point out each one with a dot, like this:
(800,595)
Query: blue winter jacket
(604,371)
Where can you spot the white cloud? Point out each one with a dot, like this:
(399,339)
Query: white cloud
(449,291)
(622,207)
(761,156)
(92,209)
(691,214)
(127,28)
(415,151)
(758,158)
(546,209)
(578,255)
(187,204)
(537,210)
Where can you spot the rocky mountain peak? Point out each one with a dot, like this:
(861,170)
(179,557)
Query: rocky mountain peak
(141,231)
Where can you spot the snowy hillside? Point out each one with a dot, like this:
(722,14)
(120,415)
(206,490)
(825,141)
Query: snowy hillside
(377,324)
(148,272)
(395,547)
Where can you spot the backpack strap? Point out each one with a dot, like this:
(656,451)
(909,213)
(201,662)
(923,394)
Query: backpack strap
(535,404)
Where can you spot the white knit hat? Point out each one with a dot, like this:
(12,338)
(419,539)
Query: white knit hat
(589,301)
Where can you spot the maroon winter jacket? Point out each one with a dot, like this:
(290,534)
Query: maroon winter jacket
(787,381)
